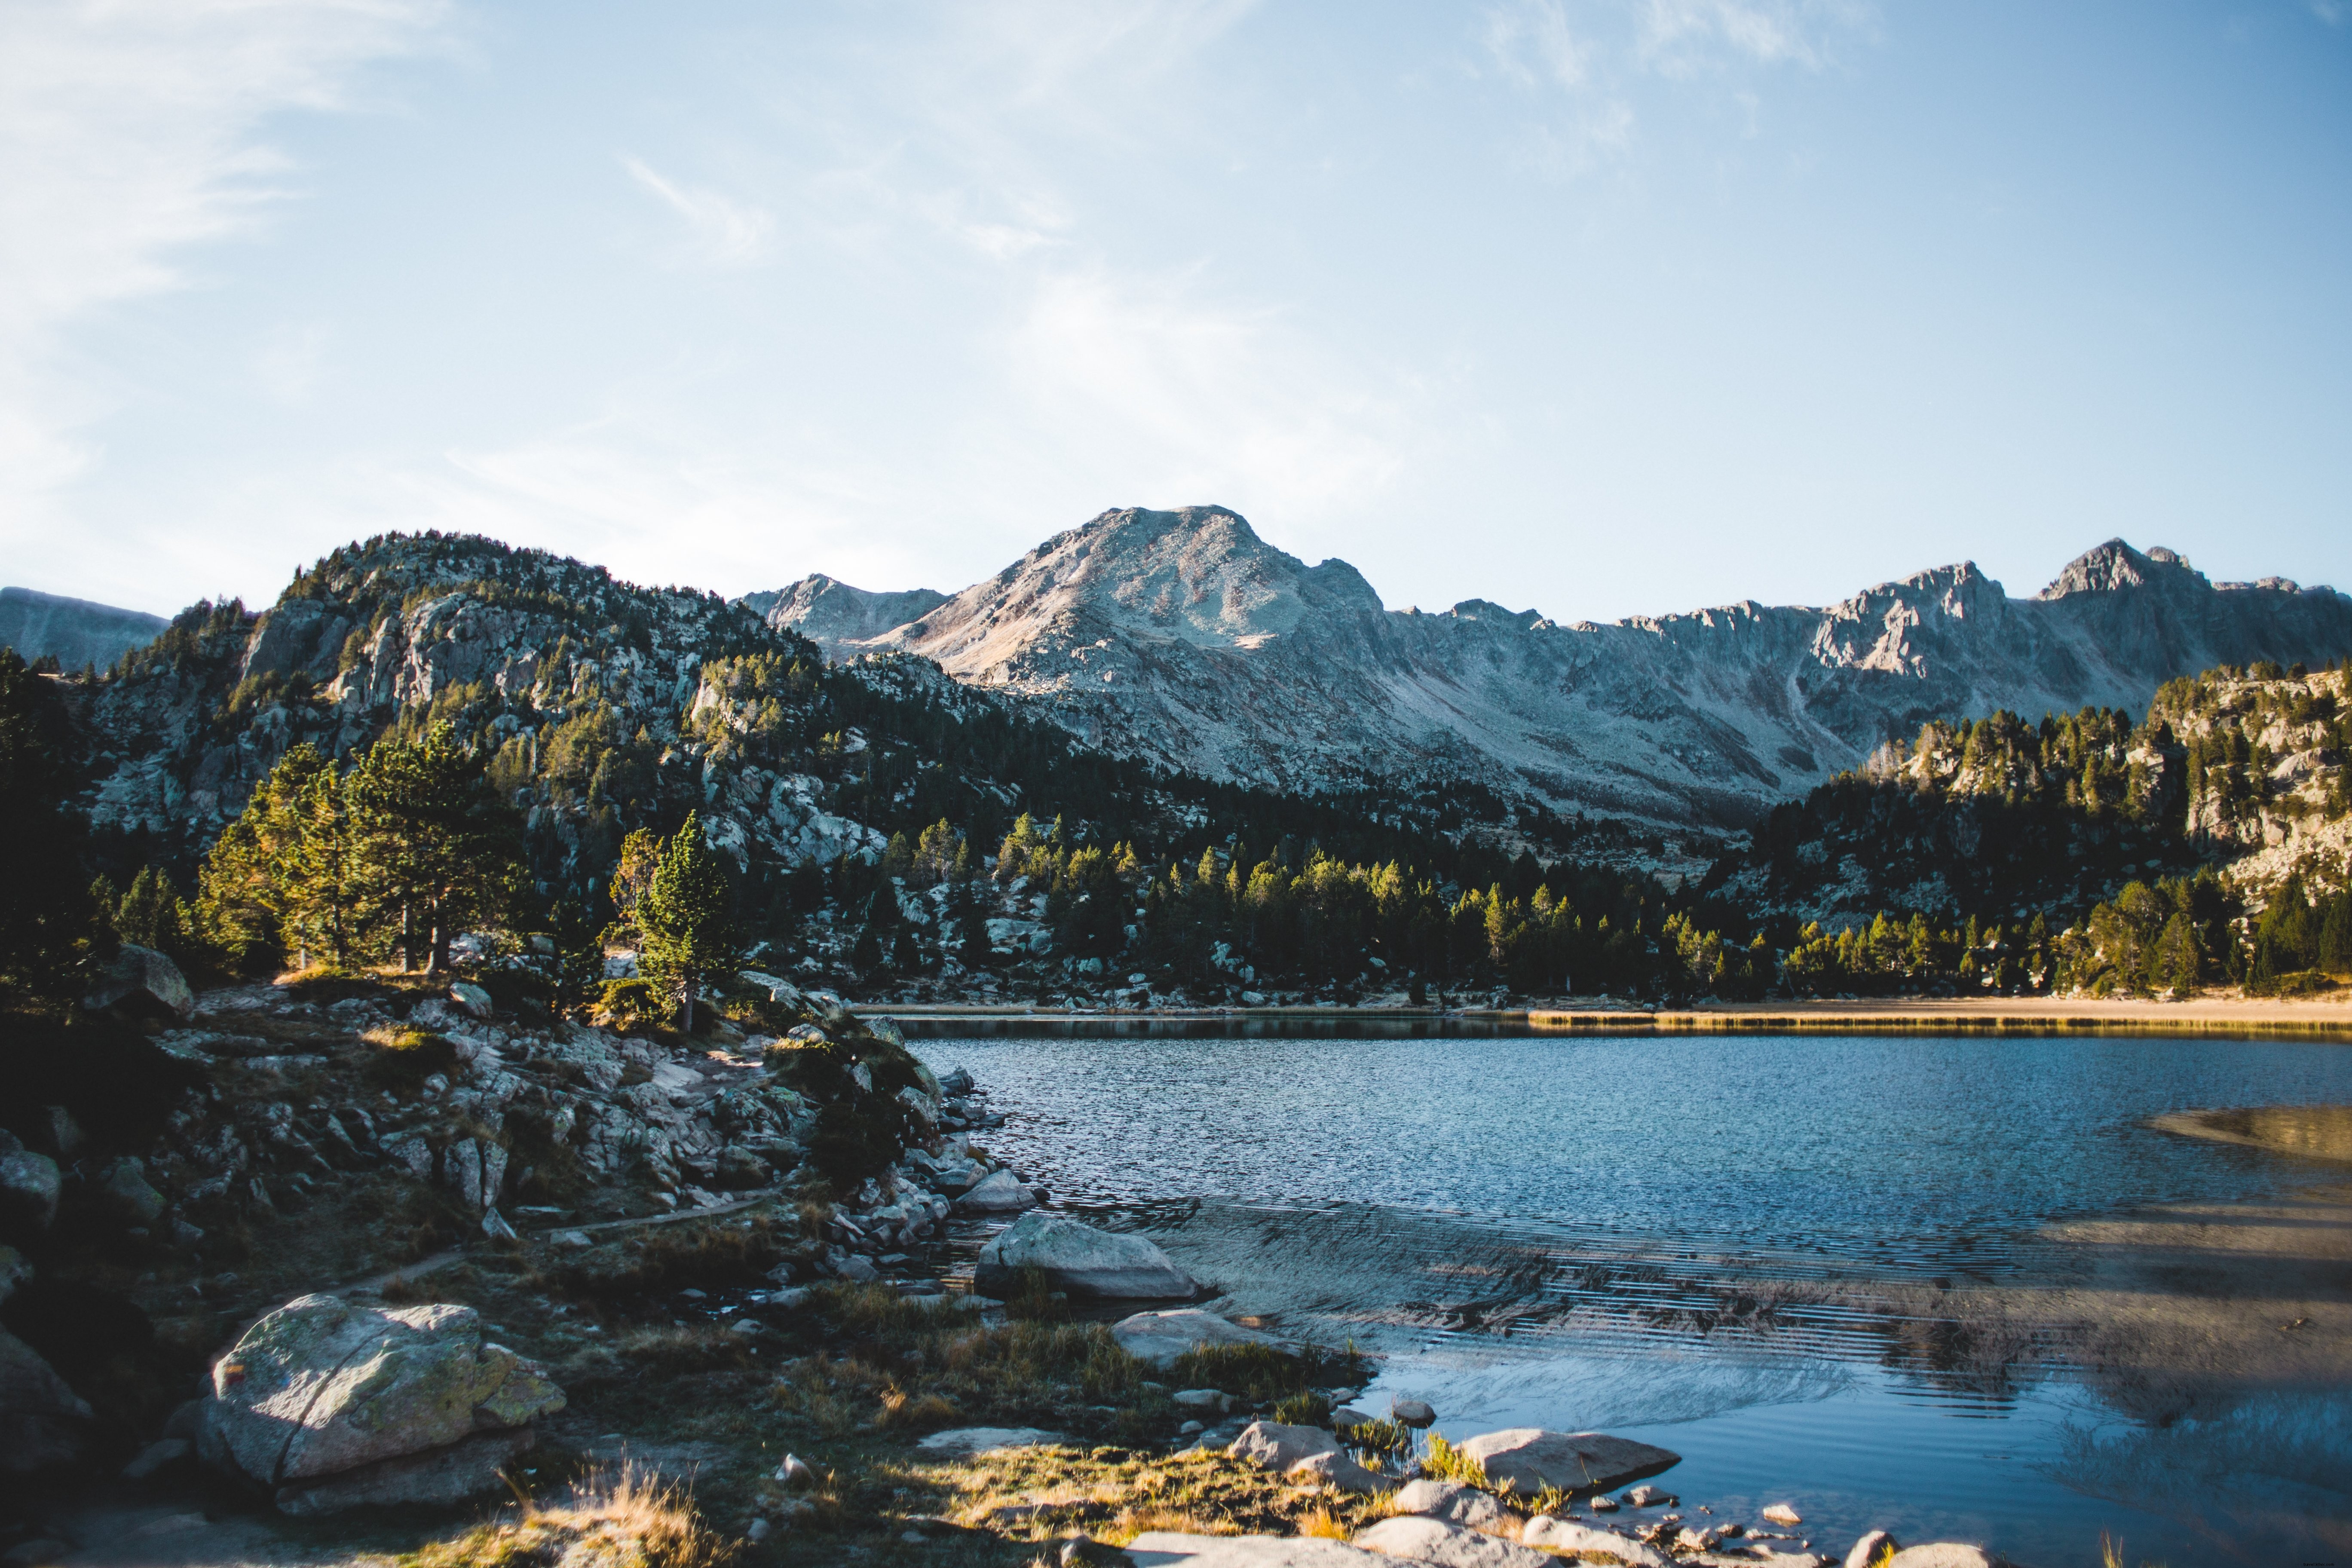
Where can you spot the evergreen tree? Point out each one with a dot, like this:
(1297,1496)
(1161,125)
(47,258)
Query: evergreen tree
(433,847)
(686,918)
(45,908)
(249,899)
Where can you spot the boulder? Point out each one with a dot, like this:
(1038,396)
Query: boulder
(996,1193)
(1945,1554)
(1161,1338)
(963,1442)
(473,999)
(1172,1549)
(1270,1446)
(1339,1471)
(1415,1413)
(30,1185)
(1450,1501)
(1078,1258)
(123,1188)
(958,1082)
(43,1422)
(1435,1541)
(139,982)
(1585,1541)
(327,1404)
(1782,1514)
(1529,1459)
(1873,1550)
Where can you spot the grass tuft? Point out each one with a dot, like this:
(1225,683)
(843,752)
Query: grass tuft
(625,1520)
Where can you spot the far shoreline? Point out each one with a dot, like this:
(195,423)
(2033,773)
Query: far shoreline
(2198,1017)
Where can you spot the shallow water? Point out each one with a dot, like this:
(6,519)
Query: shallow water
(1538,1231)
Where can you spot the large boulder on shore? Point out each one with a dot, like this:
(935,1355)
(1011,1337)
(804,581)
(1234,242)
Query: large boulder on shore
(43,1422)
(1531,1459)
(327,1404)
(139,982)
(1590,1541)
(1163,1338)
(1452,1545)
(1076,1257)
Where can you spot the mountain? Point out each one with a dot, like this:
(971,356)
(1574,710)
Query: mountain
(833,615)
(75,632)
(1182,638)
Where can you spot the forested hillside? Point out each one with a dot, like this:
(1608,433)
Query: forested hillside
(883,827)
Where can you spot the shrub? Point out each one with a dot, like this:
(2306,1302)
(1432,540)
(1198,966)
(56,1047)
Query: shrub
(1445,1462)
(631,1006)
(1252,1372)
(400,1059)
(1306,1408)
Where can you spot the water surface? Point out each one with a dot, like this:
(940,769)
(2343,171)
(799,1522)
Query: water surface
(1539,1231)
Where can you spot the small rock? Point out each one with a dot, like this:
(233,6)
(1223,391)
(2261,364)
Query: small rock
(1781,1513)
(760,1529)
(30,1185)
(858,1271)
(749,1328)
(1164,1337)
(1648,1497)
(795,1472)
(1215,1399)
(1603,1505)
(1338,1470)
(996,1193)
(572,1238)
(1272,1445)
(1450,1501)
(1449,1546)
(694,1294)
(1190,1428)
(155,1456)
(1413,1413)
(1567,1535)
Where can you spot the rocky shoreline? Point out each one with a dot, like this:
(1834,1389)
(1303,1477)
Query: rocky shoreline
(565,1252)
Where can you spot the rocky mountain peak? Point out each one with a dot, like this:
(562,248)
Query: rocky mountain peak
(2115,567)
(834,615)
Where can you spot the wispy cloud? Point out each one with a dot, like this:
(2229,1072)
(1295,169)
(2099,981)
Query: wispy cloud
(130,133)
(726,232)
(1531,44)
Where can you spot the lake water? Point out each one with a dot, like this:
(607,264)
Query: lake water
(1742,1249)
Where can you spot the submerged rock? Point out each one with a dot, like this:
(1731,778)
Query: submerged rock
(1076,1257)
(1161,1338)
(1531,1459)
(329,1404)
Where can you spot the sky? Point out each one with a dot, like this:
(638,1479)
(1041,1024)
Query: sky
(1596,306)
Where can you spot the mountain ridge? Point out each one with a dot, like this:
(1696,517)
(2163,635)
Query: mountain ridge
(1183,638)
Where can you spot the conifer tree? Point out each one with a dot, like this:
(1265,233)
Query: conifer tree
(686,918)
(432,847)
(248,894)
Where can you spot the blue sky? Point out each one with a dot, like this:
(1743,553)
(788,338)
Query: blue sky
(1604,307)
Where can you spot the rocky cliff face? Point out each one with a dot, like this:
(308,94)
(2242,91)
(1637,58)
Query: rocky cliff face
(75,632)
(1182,638)
(833,615)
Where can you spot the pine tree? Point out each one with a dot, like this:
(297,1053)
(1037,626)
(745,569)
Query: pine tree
(248,891)
(685,917)
(433,847)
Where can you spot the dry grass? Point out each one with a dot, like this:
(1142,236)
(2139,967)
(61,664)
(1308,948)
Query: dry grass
(1116,1495)
(624,1520)
(662,1261)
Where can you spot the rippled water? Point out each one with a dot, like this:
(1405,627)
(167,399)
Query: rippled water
(1679,1239)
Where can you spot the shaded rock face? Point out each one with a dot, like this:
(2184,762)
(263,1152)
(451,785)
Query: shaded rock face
(1080,1259)
(43,1422)
(76,631)
(329,1404)
(1182,638)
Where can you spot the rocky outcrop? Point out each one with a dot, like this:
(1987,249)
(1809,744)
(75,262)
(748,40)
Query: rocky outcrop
(1076,1257)
(1182,638)
(1450,1545)
(327,1406)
